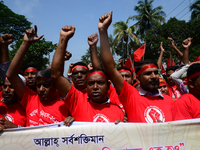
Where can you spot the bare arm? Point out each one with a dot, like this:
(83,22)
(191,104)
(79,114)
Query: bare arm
(7,124)
(106,55)
(92,41)
(68,55)
(57,66)
(173,46)
(186,45)
(30,36)
(162,50)
(5,40)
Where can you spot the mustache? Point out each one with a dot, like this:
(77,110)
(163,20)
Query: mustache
(7,101)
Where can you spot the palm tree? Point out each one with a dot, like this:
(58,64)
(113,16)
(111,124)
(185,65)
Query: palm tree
(195,8)
(148,17)
(123,34)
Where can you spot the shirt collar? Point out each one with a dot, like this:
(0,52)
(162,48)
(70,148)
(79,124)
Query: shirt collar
(107,102)
(143,92)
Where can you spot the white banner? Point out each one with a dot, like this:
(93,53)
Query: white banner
(180,135)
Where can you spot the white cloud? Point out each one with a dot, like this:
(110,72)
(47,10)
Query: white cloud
(25,7)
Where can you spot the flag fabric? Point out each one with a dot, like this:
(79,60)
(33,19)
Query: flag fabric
(162,69)
(169,60)
(197,59)
(173,63)
(129,64)
(139,53)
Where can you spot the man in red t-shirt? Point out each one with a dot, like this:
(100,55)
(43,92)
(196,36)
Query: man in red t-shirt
(126,74)
(93,106)
(79,71)
(174,91)
(43,106)
(163,87)
(187,107)
(29,72)
(14,113)
(147,105)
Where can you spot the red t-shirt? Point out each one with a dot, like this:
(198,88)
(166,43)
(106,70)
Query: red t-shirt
(145,109)
(3,110)
(186,107)
(1,94)
(16,114)
(174,92)
(39,113)
(114,98)
(85,110)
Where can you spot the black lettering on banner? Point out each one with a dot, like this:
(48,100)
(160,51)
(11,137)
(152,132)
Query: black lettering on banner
(46,142)
(81,139)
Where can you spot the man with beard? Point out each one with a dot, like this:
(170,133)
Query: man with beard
(5,40)
(148,105)
(14,113)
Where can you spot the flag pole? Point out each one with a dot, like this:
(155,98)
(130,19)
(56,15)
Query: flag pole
(132,64)
(145,50)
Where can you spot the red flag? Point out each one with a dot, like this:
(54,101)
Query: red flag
(173,63)
(139,53)
(162,69)
(169,61)
(129,63)
(197,59)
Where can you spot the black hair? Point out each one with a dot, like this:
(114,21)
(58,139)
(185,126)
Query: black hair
(173,68)
(193,69)
(97,69)
(80,63)
(45,73)
(164,77)
(31,65)
(138,65)
(125,68)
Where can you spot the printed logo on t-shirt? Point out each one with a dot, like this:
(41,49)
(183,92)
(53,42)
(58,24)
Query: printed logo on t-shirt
(100,118)
(152,114)
(9,117)
(42,118)
(34,112)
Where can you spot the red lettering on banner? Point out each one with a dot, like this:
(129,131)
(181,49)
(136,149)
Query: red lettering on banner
(105,148)
(182,144)
(176,147)
(168,147)
(108,148)
(156,148)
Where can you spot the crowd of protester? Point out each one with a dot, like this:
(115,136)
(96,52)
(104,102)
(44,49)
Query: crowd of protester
(90,93)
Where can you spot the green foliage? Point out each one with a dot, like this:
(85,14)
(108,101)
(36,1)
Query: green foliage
(147,17)
(125,38)
(36,52)
(16,25)
(12,23)
(195,8)
(87,59)
(178,31)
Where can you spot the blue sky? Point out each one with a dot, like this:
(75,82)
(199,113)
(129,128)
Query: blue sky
(50,16)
